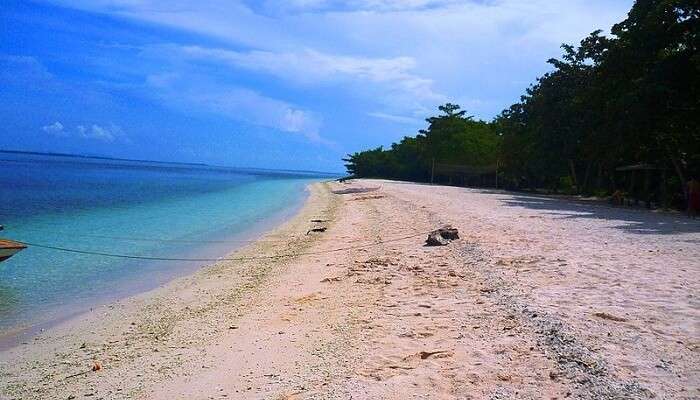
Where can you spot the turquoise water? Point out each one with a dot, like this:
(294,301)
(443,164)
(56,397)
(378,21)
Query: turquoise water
(138,208)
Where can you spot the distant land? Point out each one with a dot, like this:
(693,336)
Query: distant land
(96,157)
(39,153)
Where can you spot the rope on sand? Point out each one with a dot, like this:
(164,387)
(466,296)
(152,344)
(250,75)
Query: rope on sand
(159,240)
(152,258)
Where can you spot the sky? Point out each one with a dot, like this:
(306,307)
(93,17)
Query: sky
(293,84)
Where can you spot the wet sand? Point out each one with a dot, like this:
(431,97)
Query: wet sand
(540,298)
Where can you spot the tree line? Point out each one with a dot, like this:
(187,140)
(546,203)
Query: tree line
(617,112)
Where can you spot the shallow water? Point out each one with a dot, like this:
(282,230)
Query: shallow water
(134,208)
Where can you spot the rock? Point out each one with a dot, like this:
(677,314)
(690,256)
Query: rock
(448,232)
(435,239)
(442,236)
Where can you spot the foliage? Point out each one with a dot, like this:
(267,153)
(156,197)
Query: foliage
(451,138)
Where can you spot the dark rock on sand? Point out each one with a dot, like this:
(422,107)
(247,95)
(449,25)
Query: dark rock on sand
(435,239)
(442,236)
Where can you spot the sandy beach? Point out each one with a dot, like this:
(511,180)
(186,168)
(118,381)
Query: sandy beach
(539,298)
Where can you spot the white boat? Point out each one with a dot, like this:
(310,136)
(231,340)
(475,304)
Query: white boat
(9,248)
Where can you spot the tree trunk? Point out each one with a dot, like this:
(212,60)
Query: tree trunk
(613,181)
(584,187)
(599,179)
(679,170)
(572,169)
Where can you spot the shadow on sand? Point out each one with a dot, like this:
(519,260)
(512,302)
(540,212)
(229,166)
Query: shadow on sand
(639,221)
(633,220)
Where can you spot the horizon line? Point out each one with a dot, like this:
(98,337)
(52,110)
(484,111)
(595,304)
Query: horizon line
(197,164)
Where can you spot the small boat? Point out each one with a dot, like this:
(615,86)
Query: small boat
(8,248)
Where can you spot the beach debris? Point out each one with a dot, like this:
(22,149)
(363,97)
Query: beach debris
(400,367)
(356,190)
(427,354)
(610,317)
(309,298)
(76,374)
(373,197)
(94,368)
(503,377)
(377,280)
(331,279)
(319,220)
(317,229)
(442,236)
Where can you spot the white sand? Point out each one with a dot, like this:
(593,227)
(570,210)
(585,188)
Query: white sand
(540,298)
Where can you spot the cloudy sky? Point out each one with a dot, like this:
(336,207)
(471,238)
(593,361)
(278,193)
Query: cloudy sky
(266,83)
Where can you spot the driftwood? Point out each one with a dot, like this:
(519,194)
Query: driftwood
(442,236)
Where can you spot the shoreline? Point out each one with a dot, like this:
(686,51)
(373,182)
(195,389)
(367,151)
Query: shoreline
(13,336)
(282,231)
(536,299)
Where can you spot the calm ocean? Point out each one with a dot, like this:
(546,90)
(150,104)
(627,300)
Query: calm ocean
(125,207)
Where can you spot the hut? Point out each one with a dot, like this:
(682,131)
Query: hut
(641,182)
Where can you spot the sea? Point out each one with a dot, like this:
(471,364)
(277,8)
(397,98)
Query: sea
(122,207)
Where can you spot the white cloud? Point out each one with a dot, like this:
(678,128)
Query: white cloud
(393,78)
(294,120)
(401,56)
(252,107)
(356,5)
(408,54)
(23,70)
(401,119)
(238,104)
(102,133)
(308,65)
(227,19)
(55,129)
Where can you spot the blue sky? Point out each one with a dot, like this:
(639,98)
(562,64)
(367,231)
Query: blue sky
(268,83)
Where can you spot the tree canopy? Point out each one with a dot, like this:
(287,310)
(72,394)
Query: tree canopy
(624,99)
(452,137)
